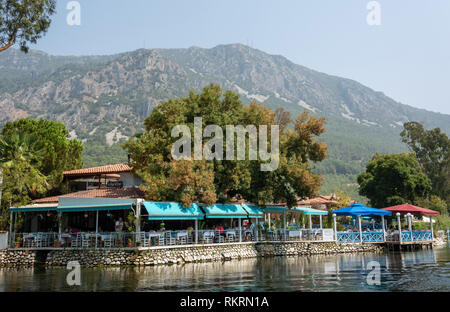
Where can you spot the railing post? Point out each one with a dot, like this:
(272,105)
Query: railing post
(284,225)
(335,227)
(320,217)
(399,227)
(384,230)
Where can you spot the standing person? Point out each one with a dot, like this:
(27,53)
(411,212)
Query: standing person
(118,227)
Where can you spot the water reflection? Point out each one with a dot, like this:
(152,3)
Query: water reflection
(427,270)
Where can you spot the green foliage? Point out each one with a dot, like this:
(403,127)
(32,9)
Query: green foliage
(393,179)
(432,148)
(33,156)
(208,181)
(58,153)
(24,21)
(434,203)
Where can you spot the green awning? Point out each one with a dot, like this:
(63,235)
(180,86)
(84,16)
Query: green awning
(311,211)
(275,208)
(253,211)
(35,207)
(72,204)
(172,211)
(222,211)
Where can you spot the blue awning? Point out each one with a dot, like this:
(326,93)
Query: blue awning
(73,204)
(221,211)
(172,211)
(253,211)
(35,208)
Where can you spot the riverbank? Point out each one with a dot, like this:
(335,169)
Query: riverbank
(176,254)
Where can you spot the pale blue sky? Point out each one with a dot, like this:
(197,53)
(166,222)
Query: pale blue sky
(407,57)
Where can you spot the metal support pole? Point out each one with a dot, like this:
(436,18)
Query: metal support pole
(240,230)
(196,231)
(256,229)
(10,229)
(269,219)
(284,225)
(335,226)
(399,227)
(59,225)
(320,217)
(310,222)
(360,229)
(96,229)
(384,230)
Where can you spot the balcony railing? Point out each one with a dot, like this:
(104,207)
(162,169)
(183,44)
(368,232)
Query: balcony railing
(355,237)
(154,239)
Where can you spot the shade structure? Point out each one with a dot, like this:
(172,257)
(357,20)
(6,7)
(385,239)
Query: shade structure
(357,209)
(311,211)
(275,208)
(172,211)
(253,211)
(35,208)
(220,211)
(415,210)
(73,204)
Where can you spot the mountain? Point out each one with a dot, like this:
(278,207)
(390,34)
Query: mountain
(104,99)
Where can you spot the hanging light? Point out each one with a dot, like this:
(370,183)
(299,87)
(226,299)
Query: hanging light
(48,213)
(20,216)
(86,215)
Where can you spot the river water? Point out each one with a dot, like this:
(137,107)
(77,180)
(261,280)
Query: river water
(425,270)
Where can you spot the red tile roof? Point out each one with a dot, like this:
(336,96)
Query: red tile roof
(98,170)
(110,192)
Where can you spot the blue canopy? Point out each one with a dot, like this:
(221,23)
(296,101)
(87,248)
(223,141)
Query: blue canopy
(219,211)
(357,209)
(172,211)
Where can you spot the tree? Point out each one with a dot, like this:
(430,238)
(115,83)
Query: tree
(59,154)
(393,179)
(432,148)
(208,181)
(19,155)
(24,21)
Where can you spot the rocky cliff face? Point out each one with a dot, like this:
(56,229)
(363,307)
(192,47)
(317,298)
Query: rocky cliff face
(104,99)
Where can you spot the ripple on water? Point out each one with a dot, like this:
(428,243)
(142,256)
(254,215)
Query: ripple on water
(427,270)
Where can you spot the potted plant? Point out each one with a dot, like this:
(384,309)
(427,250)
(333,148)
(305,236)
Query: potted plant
(130,243)
(58,243)
(18,242)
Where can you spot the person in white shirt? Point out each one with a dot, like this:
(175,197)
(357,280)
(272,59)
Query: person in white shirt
(119,225)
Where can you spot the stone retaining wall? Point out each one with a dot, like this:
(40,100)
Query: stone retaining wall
(15,258)
(185,254)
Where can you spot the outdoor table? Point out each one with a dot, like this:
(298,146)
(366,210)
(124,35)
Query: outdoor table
(295,233)
(154,237)
(67,238)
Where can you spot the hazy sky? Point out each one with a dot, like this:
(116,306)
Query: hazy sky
(407,57)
